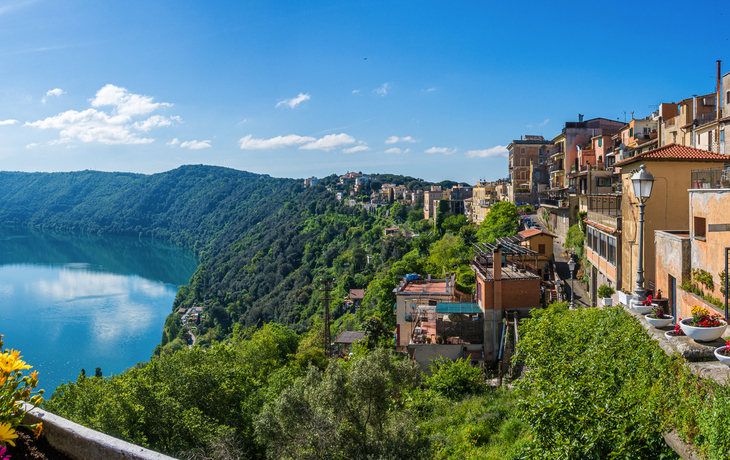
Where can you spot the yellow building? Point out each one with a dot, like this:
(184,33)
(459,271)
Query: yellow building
(666,209)
(484,196)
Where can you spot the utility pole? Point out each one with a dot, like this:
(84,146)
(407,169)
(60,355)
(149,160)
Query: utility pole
(327,339)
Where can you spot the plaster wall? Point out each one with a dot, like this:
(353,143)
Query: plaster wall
(666,209)
(708,253)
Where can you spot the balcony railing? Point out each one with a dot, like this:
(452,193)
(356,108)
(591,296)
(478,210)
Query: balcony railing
(609,205)
(705,118)
(711,177)
(556,203)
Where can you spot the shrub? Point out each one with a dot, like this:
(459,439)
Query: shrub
(605,291)
(455,379)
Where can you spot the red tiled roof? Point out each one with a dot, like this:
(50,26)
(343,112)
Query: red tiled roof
(530,232)
(676,152)
(356,294)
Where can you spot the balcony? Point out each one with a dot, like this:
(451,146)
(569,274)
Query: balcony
(705,118)
(711,178)
(554,203)
(609,205)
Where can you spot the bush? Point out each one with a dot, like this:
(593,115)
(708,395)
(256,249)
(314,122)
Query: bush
(455,379)
(605,291)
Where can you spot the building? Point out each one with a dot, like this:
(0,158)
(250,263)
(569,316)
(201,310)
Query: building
(668,206)
(308,182)
(455,197)
(539,242)
(702,246)
(603,242)
(433,319)
(505,281)
(522,154)
(484,195)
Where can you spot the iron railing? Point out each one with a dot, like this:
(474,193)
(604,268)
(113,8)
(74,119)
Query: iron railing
(711,177)
(609,205)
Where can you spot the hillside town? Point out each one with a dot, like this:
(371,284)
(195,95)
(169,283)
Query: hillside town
(579,179)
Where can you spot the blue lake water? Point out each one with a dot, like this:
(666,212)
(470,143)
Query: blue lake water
(70,301)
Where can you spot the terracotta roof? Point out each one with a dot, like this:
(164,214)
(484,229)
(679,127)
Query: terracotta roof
(676,152)
(357,294)
(530,232)
(349,337)
(602,227)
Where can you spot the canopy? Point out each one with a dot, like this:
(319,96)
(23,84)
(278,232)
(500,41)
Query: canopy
(452,307)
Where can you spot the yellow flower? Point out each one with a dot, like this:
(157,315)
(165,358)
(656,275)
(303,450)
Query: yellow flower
(10,362)
(7,434)
(37,428)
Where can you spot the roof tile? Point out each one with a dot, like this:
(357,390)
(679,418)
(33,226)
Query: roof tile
(676,152)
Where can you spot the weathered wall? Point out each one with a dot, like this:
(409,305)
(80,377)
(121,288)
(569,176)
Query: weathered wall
(672,259)
(520,293)
(709,253)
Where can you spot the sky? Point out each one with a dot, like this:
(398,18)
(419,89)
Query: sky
(434,90)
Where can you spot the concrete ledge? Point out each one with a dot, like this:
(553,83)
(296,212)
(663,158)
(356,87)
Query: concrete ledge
(684,450)
(81,443)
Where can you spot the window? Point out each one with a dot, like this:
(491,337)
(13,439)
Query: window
(612,250)
(522,150)
(728,97)
(603,245)
(700,227)
(674,138)
(541,249)
(631,132)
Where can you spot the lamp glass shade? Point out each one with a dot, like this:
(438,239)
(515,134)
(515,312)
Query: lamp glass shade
(571,265)
(642,182)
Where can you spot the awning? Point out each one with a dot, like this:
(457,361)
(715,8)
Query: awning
(453,307)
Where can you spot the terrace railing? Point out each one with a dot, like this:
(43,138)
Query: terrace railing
(718,177)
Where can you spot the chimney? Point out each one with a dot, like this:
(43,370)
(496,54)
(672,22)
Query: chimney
(497,263)
(580,118)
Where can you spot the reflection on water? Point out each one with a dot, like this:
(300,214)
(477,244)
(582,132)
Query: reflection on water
(70,302)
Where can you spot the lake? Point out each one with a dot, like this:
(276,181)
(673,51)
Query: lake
(74,301)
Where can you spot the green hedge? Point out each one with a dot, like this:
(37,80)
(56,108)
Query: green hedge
(599,387)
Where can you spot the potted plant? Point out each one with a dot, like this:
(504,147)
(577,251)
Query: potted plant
(703,326)
(658,293)
(605,292)
(428,339)
(725,183)
(644,307)
(723,353)
(625,297)
(658,318)
(676,332)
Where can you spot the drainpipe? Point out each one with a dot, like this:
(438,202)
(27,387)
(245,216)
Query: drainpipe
(718,108)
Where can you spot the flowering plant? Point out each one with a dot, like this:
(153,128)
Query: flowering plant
(701,317)
(15,389)
(658,312)
(647,302)
(678,328)
(726,350)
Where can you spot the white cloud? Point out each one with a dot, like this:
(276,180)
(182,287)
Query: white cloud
(496,151)
(53,92)
(8,122)
(444,150)
(355,91)
(92,125)
(175,141)
(397,150)
(544,122)
(195,145)
(383,90)
(394,139)
(293,102)
(430,90)
(32,146)
(155,121)
(329,142)
(357,148)
(248,143)
(124,102)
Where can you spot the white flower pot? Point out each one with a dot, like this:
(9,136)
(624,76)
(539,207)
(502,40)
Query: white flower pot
(656,322)
(643,309)
(624,298)
(722,358)
(702,334)
(607,301)
(670,334)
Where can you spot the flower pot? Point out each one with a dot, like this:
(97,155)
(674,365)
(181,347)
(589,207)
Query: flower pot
(725,184)
(670,334)
(643,309)
(657,322)
(725,359)
(625,298)
(607,301)
(696,184)
(702,334)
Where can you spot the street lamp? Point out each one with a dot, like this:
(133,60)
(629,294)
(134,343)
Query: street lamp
(643,182)
(571,266)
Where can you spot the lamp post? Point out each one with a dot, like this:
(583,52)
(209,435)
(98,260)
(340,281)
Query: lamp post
(642,182)
(571,266)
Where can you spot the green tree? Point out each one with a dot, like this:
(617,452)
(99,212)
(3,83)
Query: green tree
(449,252)
(455,379)
(349,411)
(501,221)
(442,212)
(453,224)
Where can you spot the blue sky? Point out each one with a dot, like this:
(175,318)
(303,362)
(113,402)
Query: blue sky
(283,88)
